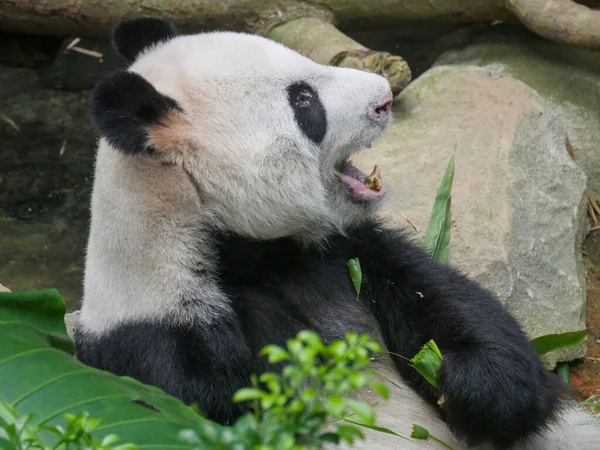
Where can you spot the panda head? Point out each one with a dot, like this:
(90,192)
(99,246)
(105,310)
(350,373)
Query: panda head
(264,134)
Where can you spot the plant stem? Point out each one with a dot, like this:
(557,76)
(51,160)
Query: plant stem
(564,373)
(439,441)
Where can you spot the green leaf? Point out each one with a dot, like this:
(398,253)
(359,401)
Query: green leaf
(550,342)
(246,394)
(373,427)
(427,362)
(355,274)
(363,410)
(41,377)
(349,433)
(275,354)
(335,405)
(381,389)
(437,239)
(330,437)
(419,432)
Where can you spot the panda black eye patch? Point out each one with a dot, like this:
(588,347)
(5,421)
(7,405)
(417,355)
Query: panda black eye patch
(308,110)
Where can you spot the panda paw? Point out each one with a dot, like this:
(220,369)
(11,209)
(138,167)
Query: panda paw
(498,396)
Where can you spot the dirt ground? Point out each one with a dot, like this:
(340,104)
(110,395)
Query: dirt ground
(585,376)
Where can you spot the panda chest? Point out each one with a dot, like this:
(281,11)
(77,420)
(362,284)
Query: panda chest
(284,273)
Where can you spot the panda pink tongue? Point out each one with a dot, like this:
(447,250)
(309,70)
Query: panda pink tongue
(354,179)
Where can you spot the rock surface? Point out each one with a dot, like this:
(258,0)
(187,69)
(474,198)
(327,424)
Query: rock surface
(518,197)
(46,164)
(568,78)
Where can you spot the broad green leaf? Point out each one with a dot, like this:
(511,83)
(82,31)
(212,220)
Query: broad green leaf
(355,274)
(427,362)
(40,376)
(437,239)
(550,342)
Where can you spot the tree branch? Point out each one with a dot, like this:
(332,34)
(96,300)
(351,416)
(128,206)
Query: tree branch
(561,21)
(325,44)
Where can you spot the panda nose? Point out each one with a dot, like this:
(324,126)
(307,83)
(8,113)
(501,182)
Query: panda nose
(385,106)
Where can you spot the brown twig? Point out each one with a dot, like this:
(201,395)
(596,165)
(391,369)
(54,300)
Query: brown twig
(409,222)
(11,122)
(63,148)
(85,51)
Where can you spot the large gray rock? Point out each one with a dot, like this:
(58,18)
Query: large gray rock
(568,78)
(518,198)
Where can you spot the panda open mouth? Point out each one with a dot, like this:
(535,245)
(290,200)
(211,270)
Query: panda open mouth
(362,186)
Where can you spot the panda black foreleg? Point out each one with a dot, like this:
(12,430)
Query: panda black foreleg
(205,365)
(493,384)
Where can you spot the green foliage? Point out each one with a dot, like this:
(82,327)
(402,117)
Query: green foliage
(355,274)
(437,239)
(42,384)
(291,409)
(550,342)
(428,362)
(20,435)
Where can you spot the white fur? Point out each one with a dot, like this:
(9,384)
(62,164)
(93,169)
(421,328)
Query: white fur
(240,163)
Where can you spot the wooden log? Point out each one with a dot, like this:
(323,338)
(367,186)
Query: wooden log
(562,21)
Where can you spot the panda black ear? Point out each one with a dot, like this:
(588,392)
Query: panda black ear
(131,37)
(125,106)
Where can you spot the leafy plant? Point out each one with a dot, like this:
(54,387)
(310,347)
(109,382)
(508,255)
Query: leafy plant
(76,435)
(291,409)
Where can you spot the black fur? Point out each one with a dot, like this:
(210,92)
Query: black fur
(308,111)
(494,385)
(124,105)
(131,37)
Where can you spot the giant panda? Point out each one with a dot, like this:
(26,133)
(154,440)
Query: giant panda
(224,210)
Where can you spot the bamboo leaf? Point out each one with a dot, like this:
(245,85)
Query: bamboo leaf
(355,274)
(428,362)
(419,432)
(373,427)
(437,239)
(550,342)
